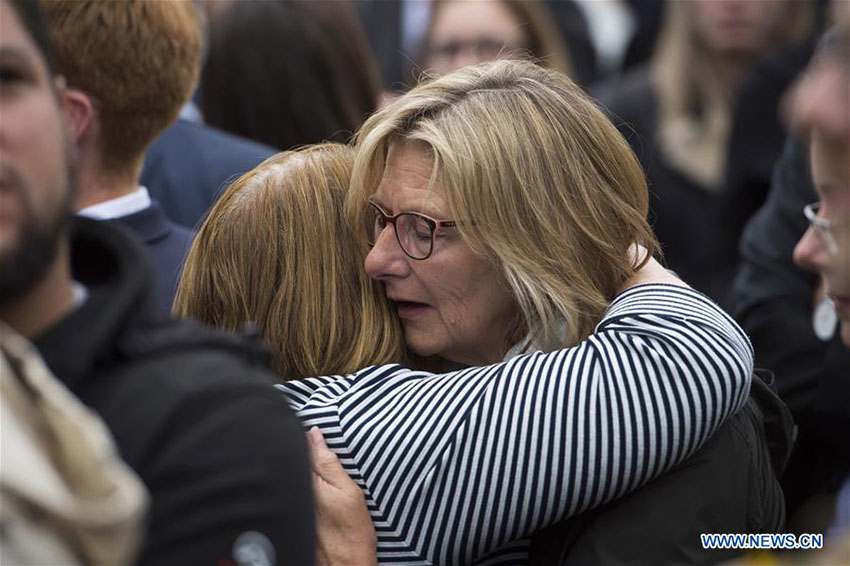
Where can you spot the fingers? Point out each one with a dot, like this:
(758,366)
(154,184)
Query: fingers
(637,254)
(651,272)
(323,461)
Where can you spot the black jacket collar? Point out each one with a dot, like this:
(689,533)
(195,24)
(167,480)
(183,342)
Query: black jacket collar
(119,280)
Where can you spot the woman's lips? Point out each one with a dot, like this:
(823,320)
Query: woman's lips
(408,310)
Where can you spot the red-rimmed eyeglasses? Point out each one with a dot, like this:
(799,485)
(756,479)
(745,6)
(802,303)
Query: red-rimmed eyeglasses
(413,230)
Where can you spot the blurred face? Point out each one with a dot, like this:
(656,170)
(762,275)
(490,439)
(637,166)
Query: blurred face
(735,27)
(831,175)
(455,304)
(34,191)
(466,32)
(819,100)
(818,106)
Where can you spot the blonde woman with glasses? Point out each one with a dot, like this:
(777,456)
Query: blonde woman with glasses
(592,369)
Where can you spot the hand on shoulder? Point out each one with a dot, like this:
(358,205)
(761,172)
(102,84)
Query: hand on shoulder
(650,272)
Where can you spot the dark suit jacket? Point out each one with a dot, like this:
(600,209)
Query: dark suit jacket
(188,165)
(168,244)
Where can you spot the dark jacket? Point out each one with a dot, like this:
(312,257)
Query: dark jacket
(188,165)
(773,302)
(192,411)
(728,486)
(168,244)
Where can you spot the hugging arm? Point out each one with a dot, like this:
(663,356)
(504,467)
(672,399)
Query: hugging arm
(454,466)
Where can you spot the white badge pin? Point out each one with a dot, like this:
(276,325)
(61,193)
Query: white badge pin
(824,319)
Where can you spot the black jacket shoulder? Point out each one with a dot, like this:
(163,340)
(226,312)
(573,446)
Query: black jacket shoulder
(193,412)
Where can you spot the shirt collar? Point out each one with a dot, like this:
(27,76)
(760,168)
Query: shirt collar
(527,345)
(119,206)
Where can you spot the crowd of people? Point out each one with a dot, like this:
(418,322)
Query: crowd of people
(423,281)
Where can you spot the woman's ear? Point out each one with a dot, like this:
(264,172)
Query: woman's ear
(79,111)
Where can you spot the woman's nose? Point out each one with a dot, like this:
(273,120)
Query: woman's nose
(386,258)
(810,252)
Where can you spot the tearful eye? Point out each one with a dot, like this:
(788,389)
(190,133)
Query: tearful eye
(421,228)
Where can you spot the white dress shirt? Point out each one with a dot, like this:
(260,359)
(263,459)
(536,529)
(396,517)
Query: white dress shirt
(119,206)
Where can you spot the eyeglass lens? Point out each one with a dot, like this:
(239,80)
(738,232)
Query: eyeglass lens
(413,231)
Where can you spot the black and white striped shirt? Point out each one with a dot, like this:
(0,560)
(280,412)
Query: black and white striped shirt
(459,468)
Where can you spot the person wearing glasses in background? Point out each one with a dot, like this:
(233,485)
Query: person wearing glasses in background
(820,108)
(791,316)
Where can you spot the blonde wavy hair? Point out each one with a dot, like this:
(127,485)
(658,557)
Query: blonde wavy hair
(276,250)
(539,179)
(696,142)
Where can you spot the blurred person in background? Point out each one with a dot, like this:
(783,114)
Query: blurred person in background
(396,28)
(825,246)
(288,72)
(464,33)
(757,138)
(648,18)
(820,114)
(189,164)
(786,309)
(677,114)
(119,97)
(192,412)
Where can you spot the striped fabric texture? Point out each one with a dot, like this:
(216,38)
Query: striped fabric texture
(460,468)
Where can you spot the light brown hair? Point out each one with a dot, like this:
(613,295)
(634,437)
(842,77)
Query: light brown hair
(137,59)
(539,180)
(277,251)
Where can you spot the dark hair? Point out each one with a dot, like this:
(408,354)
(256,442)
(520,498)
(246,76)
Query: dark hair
(288,73)
(31,15)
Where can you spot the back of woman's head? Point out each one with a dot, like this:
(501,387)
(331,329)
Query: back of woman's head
(539,180)
(289,72)
(277,251)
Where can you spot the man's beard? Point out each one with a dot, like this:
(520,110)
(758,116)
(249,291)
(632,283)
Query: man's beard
(24,265)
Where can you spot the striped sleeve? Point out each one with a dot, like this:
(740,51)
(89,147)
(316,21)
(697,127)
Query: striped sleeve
(456,466)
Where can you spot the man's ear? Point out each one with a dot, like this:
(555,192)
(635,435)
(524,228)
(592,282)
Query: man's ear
(79,111)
